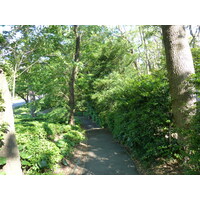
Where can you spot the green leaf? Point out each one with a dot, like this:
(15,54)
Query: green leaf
(25,155)
(25,162)
(2,161)
(60,143)
(43,164)
(64,162)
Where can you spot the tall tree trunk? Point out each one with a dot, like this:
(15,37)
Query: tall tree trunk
(14,82)
(135,62)
(17,65)
(136,65)
(143,40)
(73,77)
(32,105)
(180,67)
(9,150)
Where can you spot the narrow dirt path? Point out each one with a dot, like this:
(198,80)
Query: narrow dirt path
(104,156)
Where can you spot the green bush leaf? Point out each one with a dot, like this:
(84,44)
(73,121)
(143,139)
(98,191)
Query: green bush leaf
(64,162)
(43,164)
(25,162)
(2,161)
(25,155)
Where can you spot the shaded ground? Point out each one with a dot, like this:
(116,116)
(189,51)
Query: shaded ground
(105,156)
(98,155)
(101,155)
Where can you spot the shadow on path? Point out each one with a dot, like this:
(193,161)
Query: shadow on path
(104,155)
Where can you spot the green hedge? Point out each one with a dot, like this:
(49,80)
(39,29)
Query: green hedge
(137,111)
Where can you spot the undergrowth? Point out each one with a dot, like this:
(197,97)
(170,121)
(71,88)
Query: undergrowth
(43,144)
(137,111)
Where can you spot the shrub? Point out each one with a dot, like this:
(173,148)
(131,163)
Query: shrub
(192,153)
(43,144)
(37,154)
(3,130)
(1,102)
(137,111)
(58,115)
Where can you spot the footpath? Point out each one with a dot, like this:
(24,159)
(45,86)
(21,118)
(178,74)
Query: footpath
(103,156)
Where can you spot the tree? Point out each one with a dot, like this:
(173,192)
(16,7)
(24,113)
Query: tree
(143,40)
(195,33)
(9,150)
(180,67)
(73,76)
(21,51)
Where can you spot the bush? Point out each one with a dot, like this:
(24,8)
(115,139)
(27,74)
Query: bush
(3,130)
(36,151)
(43,144)
(137,111)
(58,115)
(2,126)
(38,154)
(192,150)
(1,102)
(192,153)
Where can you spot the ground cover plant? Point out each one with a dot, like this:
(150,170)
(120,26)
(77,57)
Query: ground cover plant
(2,132)
(43,144)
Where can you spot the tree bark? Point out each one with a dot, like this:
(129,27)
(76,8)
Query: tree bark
(143,40)
(24,97)
(180,67)
(14,82)
(9,150)
(73,77)
(136,65)
(32,105)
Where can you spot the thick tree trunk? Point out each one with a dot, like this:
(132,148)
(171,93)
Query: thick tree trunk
(73,78)
(180,67)
(9,150)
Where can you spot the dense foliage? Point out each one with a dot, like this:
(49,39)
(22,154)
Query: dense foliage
(121,83)
(3,128)
(43,144)
(137,111)
(192,153)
